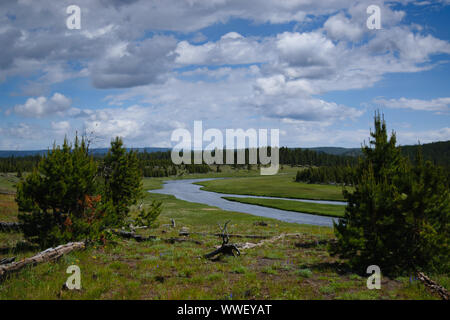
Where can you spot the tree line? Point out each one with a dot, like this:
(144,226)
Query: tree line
(328,175)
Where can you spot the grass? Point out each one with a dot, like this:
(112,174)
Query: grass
(8,208)
(282,186)
(304,207)
(126,269)
(8,182)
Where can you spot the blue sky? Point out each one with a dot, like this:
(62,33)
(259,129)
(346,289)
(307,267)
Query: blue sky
(142,69)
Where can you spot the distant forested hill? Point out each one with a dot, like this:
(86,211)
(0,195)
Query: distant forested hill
(338,151)
(437,152)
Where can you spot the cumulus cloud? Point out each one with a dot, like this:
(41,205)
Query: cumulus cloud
(133,45)
(232,48)
(61,126)
(139,64)
(339,27)
(423,136)
(42,106)
(438,104)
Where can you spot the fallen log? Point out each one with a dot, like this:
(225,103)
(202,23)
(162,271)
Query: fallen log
(227,249)
(132,235)
(173,240)
(433,286)
(250,236)
(10,227)
(50,254)
(249,245)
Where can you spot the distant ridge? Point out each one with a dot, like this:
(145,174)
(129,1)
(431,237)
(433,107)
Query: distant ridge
(338,151)
(437,152)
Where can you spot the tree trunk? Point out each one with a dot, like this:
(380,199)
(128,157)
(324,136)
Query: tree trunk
(50,254)
(433,286)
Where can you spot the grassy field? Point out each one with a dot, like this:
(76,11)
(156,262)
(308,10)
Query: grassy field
(282,186)
(8,182)
(293,268)
(304,207)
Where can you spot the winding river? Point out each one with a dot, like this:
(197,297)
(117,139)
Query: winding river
(188,191)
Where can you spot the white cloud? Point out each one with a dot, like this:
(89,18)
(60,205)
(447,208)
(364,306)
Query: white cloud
(41,106)
(61,126)
(423,136)
(339,27)
(438,104)
(232,48)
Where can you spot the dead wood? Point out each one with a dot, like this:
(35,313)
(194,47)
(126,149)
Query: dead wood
(10,227)
(50,254)
(250,245)
(433,286)
(226,248)
(250,236)
(132,235)
(173,240)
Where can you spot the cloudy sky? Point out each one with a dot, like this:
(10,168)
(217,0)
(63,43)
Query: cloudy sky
(141,69)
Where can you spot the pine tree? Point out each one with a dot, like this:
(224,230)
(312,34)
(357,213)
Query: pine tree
(122,179)
(52,200)
(398,216)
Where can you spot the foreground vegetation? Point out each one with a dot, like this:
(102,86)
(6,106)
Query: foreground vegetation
(290,205)
(293,268)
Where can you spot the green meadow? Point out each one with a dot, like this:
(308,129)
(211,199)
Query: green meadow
(281,185)
(303,207)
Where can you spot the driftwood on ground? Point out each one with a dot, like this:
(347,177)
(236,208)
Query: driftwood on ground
(433,286)
(173,240)
(50,254)
(250,236)
(226,248)
(249,245)
(139,238)
(10,227)
(132,235)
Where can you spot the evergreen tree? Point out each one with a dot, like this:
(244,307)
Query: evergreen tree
(398,216)
(122,179)
(55,200)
